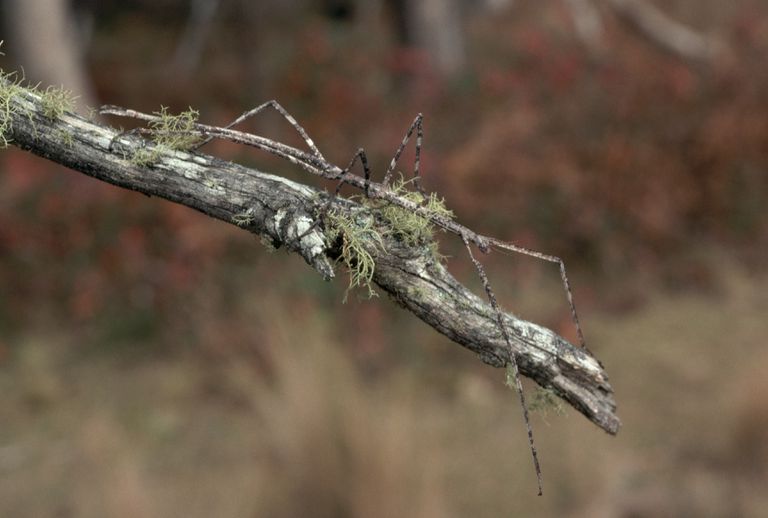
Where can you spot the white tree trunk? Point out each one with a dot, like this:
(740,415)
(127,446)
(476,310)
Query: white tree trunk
(43,35)
(435,25)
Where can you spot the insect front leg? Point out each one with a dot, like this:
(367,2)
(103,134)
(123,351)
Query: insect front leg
(287,116)
(415,125)
(342,177)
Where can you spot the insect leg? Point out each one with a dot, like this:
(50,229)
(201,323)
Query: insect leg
(513,361)
(342,177)
(287,116)
(359,155)
(415,125)
(563,276)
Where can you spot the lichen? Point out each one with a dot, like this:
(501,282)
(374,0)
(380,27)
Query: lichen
(56,101)
(177,132)
(145,156)
(410,227)
(66,137)
(509,377)
(53,101)
(10,87)
(169,133)
(416,292)
(544,400)
(358,233)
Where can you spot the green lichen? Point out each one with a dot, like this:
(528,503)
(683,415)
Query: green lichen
(416,292)
(177,132)
(91,113)
(410,227)
(56,101)
(66,137)
(168,133)
(146,156)
(509,377)
(544,400)
(10,87)
(434,249)
(358,233)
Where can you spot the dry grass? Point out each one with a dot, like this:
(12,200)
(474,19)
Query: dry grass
(310,435)
(339,447)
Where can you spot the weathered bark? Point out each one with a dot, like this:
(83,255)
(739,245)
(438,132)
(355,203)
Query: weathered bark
(282,210)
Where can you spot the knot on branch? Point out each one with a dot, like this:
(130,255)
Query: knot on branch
(297,231)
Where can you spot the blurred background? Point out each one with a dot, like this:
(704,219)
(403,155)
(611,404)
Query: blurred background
(154,362)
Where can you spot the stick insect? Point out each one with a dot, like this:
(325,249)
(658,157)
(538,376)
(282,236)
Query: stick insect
(314,162)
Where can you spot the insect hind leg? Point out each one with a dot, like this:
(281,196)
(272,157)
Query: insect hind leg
(563,277)
(512,360)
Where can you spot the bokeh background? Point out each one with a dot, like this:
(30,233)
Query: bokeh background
(154,362)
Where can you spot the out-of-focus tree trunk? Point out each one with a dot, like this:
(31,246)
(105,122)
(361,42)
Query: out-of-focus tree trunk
(649,22)
(196,32)
(588,24)
(435,26)
(43,35)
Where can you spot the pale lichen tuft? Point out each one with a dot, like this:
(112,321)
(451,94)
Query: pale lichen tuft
(358,233)
(543,401)
(408,226)
(56,101)
(177,132)
(146,156)
(10,87)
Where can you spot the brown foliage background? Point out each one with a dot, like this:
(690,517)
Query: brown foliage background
(171,353)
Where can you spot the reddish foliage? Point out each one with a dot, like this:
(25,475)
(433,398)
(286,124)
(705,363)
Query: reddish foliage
(621,162)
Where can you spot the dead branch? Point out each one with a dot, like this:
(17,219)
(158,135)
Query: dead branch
(283,211)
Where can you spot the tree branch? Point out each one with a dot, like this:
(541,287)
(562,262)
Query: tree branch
(664,32)
(283,211)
